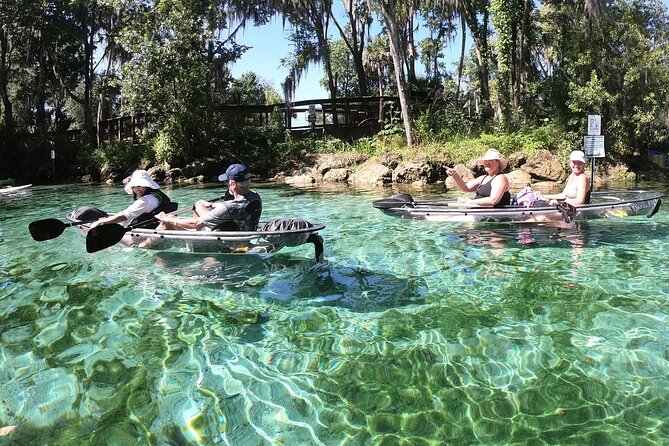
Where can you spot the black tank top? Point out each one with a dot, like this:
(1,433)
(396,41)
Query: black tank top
(484,190)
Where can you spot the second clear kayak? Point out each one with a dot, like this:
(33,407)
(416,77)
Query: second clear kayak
(609,204)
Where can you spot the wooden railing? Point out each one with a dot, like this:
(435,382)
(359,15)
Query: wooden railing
(124,128)
(347,117)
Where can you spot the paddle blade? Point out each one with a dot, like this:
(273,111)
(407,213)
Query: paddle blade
(567,210)
(104,236)
(395,201)
(47,229)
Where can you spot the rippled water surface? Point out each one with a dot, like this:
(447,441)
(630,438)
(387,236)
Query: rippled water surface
(410,332)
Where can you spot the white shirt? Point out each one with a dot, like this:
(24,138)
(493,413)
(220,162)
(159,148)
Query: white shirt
(142,205)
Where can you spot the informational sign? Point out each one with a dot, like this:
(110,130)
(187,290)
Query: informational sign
(594,125)
(53,154)
(593,146)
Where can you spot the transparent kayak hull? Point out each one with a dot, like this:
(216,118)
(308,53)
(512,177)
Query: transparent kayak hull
(286,232)
(235,242)
(611,204)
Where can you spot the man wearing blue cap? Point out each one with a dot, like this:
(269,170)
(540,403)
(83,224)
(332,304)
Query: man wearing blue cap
(242,213)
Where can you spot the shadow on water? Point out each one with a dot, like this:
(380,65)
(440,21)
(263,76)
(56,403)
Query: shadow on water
(298,281)
(354,288)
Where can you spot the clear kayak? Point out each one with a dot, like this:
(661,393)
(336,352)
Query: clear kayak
(610,204)
(234,242)
(271,237)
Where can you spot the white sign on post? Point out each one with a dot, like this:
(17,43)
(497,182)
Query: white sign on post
(593,146)
(594,125)
(53,154)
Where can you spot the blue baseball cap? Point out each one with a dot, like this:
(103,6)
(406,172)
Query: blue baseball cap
(236,172)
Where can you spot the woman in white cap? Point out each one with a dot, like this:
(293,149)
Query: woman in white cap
(492,189)
(576,191)
(149,200)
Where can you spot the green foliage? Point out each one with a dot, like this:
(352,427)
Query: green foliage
(249,89)
(165,149)
(442,120)
(392,125)
(552,60)
(365,146)
(591,98)
(119,155)
(463,150)
(343,68)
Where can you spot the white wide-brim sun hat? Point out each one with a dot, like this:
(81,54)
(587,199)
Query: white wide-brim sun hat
(577,155)
(493,154)
(140,178)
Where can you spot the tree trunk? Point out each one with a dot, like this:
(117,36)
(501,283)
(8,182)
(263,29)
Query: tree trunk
(41,124)
(461,64)
(89,30)
(398,63)
(356,43)
(7,108)
(101,98)
(480,37)
(525,65)
(411,49)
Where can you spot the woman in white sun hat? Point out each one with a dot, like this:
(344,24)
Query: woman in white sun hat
(492,189)
(149,200)
(576,190)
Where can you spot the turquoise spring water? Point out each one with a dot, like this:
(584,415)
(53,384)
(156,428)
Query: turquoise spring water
(410,332)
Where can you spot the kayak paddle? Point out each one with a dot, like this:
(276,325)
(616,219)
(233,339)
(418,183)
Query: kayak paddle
(405,200)
(104,236)
(567,210)
(50,228)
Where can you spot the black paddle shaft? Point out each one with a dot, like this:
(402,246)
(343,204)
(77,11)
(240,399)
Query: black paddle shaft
(49,228)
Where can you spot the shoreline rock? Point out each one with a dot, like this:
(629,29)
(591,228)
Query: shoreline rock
(543,171)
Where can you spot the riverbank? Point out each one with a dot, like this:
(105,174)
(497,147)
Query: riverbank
(543,169)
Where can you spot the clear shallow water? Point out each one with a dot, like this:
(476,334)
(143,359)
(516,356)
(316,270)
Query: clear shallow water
(409,333)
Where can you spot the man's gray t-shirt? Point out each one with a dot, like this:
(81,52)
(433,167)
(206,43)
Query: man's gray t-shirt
(235,214)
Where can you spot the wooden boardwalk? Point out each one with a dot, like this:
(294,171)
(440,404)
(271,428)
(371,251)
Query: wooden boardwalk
(347,118)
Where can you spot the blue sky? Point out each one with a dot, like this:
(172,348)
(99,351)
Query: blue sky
(269,45)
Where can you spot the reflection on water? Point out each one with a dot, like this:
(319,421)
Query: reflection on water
(409,332)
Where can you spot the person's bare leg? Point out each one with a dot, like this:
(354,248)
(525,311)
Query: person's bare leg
(200,209)
(152,240)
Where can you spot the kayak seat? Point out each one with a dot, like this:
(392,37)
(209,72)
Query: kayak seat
(286,225)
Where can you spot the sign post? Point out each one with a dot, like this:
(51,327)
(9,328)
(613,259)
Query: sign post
(53,164)
(593,144)
(311,117)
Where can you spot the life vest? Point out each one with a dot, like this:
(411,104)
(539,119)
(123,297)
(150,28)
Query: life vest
(164,205)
